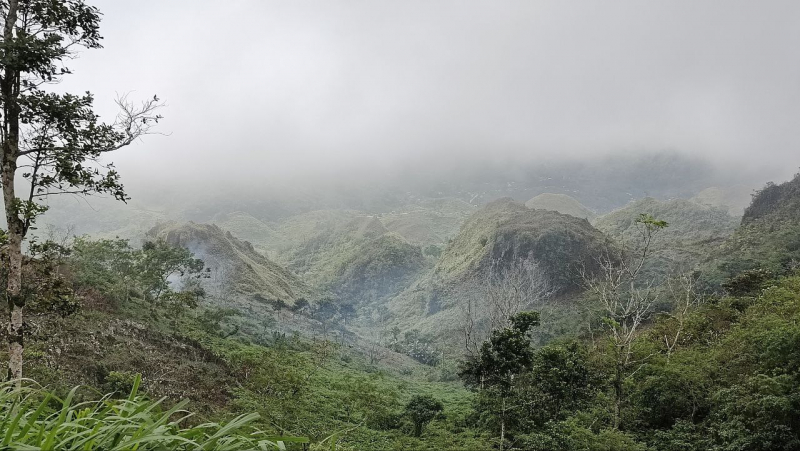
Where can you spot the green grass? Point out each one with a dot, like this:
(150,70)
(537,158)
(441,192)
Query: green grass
(35,419)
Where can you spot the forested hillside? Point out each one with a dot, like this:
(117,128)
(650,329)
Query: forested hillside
(368,226)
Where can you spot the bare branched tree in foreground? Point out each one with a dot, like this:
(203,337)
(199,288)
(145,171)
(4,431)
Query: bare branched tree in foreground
(507,289)
(627,296)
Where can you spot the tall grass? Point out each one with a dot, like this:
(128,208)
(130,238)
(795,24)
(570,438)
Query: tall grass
(34,419)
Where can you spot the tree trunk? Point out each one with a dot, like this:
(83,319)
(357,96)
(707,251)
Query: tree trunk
(618,380)
(16,227)
(503,424)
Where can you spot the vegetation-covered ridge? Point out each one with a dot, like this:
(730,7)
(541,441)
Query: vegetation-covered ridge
(234,266)
(694,230)
(561,203)
(769,235)
(506,230)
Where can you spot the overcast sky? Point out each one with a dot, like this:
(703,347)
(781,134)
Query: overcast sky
(268,89)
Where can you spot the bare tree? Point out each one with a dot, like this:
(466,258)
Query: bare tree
(627,296)
(682,289)
(507,289)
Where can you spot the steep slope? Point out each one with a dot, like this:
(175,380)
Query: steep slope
(496,235)
(769,235)
(733,199)
(238,271)
(694,230)
(349,254)
(379,268)
(504,230)
(560,203)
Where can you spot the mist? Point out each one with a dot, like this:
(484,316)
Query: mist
(262,93)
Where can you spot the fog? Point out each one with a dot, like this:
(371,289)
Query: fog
(296,91)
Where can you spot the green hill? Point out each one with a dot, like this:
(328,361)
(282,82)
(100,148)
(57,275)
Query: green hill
(264,237)
(562,204)
(380,267)
(497,234)
(238,272)
(428,222)
(693,232)
(769,236)
(733,199)
(349,254)
(505,229)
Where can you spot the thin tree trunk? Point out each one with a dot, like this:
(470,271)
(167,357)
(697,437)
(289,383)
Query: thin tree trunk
(503,424)
(617,394)
(16,227)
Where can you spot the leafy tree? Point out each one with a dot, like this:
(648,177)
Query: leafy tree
(56,140)
(422,409)
(107,265)
(159,262)
(496,370)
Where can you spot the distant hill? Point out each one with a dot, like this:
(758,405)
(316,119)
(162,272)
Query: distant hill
(237,270)
(348,254)
(428,222)
(378,268)
(694,230)
(733,199)
(264,237)
(562,204)
(769,236)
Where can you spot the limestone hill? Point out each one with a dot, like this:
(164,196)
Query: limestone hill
(497,234)
(505,229)
(694,230)
(561,203)
(238,272)
(379,268)
(264,237)
(348,254)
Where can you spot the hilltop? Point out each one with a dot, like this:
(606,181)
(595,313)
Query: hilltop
(497,236)
(238,272)
(693,232)
(380,267)
(264,237)
(506,230)
(561,203)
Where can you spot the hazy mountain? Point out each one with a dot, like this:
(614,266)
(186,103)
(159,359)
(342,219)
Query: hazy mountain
(237,272)
(560,203)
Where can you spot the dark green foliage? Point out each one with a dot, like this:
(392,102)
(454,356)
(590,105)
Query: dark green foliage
(422,409)
(504,356)
(747,283)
